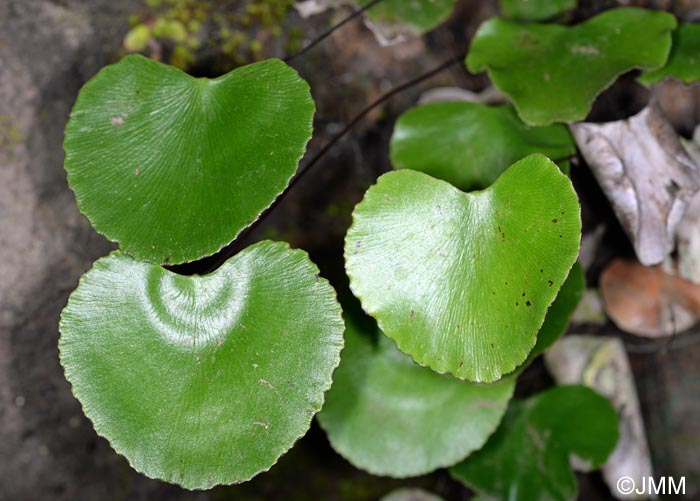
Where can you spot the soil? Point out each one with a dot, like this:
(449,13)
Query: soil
(48,449)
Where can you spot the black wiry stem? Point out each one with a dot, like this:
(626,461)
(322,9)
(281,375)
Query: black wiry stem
(237,245)
(331,30)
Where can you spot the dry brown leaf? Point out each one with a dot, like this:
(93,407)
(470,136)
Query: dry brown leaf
(646,174)
(647,301)
(601,363)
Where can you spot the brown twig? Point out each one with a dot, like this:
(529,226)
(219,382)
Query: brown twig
(330,31)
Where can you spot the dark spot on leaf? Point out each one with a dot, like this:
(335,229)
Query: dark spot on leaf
(461,363)
(550,283)
(555,220)
(523,294)
(412,314)
(528,303)
(517,304)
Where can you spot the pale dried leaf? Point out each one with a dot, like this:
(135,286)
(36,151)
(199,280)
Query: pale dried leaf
(308,8)
(590,243)
(590,309)
(647,301)
(646,174)
(688,231)
(601,363)
(390,33)
(688,240)
(490,95)
(387,33)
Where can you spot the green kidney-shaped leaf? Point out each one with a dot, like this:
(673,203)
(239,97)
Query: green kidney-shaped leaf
(684,60)
(536,10)
(422,14)
(553,73)
(174,167)
(558,315)
(389,416)
(462,281)
(202,380)
(468,144)
(529,455)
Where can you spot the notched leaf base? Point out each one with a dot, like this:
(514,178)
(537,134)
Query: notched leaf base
(462,282)
(173,167)
(202,380)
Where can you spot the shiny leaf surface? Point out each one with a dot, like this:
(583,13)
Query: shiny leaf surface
(529,455)
(421,14)
(202,380)
(174,167)
(389,416)
(535,10)
(553,73)
(684,60)
(462,281)
(558,315)
(468,144)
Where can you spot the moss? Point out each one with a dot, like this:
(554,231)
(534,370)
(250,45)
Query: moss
(10,135)
(137,38)
(233,32)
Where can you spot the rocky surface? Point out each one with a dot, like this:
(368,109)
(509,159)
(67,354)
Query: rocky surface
(48,449)
(48,49)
